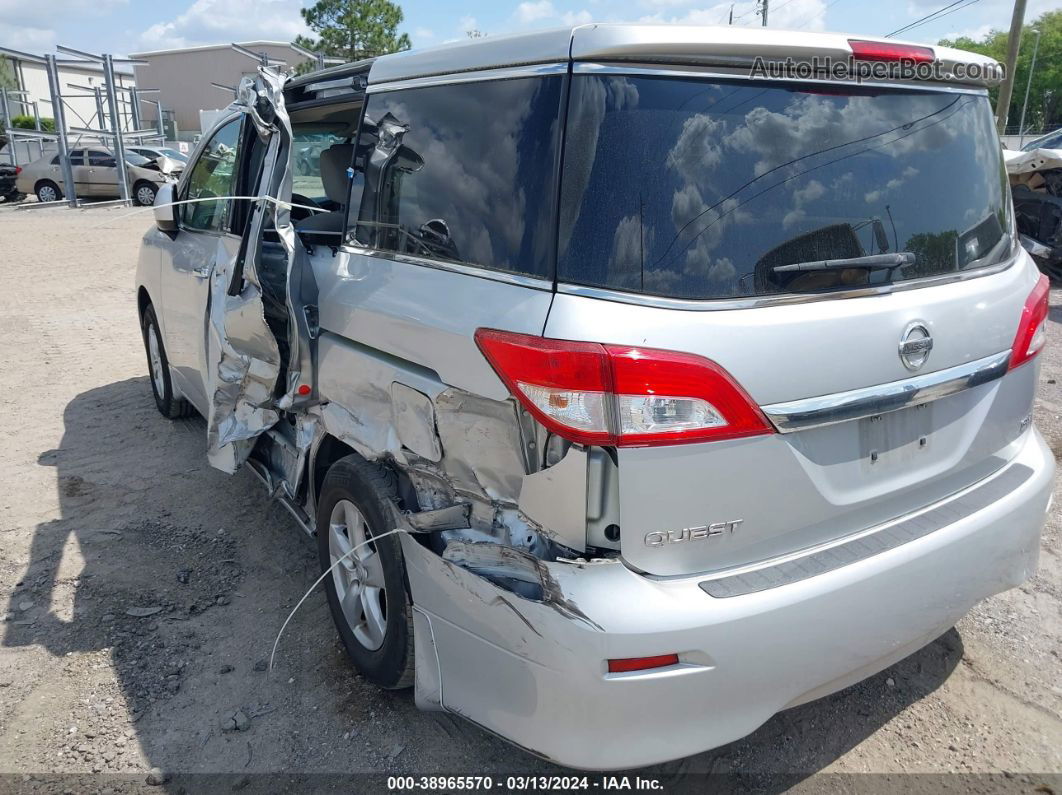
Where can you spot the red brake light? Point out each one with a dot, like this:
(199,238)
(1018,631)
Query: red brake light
(1032,328)
(887,51)
(619,395)
(628,664)
(18,170)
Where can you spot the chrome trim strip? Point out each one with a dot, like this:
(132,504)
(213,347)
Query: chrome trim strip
(478,76)
(718,304)
(815,412)
(795,567)
(518,279)
(740,70)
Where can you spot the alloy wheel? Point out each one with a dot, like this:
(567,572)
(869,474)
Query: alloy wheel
(358,577)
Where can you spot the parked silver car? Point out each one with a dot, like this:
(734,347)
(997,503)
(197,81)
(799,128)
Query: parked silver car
(631,397)
(95,175)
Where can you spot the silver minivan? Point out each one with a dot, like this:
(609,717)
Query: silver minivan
(631,392)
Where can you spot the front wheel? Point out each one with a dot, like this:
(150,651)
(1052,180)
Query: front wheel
(168,404)
(144,194)
(366,590)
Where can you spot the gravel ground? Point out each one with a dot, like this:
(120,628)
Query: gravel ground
(141,591)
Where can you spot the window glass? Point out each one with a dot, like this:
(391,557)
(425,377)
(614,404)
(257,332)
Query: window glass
(308,141)
(214,174)
(98,158)
(465,173)
(77,157)
(692,188)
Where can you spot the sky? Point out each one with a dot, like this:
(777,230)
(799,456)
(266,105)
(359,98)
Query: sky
(124,26)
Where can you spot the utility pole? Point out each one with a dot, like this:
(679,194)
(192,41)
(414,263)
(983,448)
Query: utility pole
(1028,85)
(1007,89)
(731,22)
(764,12)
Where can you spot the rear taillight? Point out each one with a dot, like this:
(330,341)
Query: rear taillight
(887,51)
(1032,328)
(18,170)
(619,395)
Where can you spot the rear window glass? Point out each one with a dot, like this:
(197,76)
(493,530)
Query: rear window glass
(690,188)
(466,172)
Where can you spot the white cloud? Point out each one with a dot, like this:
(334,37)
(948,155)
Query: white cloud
(468,23)
(27,38)
(422,34)
(217,21)
(43,13)
(529,12)
(29,26)
(574,18)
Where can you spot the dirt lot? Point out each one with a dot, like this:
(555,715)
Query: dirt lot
(108,510)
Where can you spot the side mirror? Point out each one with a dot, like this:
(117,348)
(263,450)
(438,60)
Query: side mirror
(165,212)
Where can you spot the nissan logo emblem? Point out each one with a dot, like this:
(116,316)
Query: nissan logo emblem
(915,345)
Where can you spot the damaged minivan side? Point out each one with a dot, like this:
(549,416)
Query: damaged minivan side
(629,399)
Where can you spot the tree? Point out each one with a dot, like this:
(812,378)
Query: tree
(24,122)
(1045,95)
(7,73)
(354,29)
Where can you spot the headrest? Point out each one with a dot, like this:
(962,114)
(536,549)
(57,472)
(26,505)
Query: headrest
(335,160)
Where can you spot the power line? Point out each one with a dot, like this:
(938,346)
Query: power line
(926,18)
(960,8)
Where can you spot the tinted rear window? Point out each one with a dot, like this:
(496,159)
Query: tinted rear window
(690,188)
(472,179)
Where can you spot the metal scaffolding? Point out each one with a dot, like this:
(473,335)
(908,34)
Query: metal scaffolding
(117,116)
(116,120)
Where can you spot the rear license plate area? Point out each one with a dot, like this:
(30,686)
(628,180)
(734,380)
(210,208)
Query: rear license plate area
(896,438)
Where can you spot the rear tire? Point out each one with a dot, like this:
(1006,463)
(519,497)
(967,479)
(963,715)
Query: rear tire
(47,191)
(368,599)
(168,404)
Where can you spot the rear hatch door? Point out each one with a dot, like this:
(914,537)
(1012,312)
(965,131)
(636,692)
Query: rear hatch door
(825,247)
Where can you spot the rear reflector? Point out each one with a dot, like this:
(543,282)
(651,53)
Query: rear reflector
(1032,328)
(641,663)
(887,51)
(618,395)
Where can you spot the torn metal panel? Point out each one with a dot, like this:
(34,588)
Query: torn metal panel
(243,355)
(370,431)
(243,358)
(556,498)
(243,362)
(482,445)
(413,415)
(428,684)
(1033,161)
(517,571)
(1036,185)
(454,517)
(486,639)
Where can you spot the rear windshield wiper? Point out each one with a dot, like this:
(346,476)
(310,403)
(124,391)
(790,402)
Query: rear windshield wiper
(898,259)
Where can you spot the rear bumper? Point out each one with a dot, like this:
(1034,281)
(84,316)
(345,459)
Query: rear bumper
(535,673)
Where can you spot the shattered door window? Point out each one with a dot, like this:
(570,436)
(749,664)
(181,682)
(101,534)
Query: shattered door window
(214,174)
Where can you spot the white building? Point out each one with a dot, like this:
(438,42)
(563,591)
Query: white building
(80,105)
